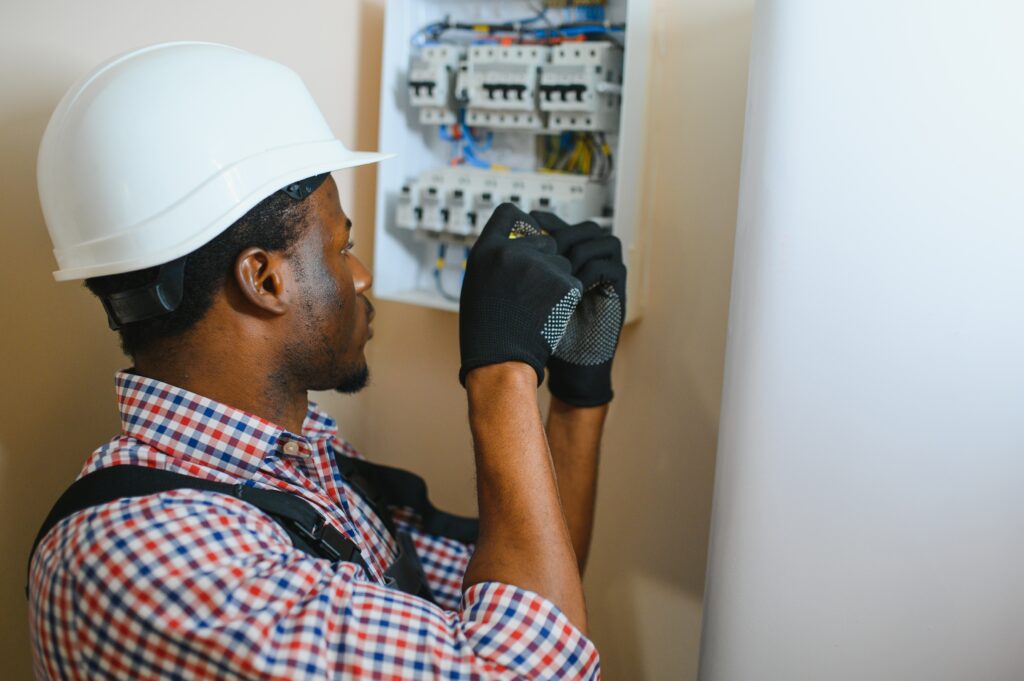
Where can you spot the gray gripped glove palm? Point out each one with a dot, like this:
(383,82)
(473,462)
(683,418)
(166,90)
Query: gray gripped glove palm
(517,296)
(580,369)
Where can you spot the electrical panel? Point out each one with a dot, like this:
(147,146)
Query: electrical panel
(541,104)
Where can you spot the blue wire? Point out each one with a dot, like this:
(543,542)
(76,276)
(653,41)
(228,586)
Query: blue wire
(423,31)
(536,17)
(574,30)
(443,24)
(470,148)
(468,136)
(471,159)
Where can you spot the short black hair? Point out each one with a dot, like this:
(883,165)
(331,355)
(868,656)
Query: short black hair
(274,224)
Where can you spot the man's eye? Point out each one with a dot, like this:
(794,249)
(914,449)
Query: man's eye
(348,247)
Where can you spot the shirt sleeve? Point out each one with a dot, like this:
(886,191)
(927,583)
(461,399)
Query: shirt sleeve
(198,585)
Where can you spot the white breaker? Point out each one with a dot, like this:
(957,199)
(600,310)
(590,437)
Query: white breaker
(432,83)
(501,87)
(581,87)
(456,202)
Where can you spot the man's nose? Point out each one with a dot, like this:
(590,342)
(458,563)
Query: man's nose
(361,276)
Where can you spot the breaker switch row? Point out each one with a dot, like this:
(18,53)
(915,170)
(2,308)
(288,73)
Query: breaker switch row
(564,93)
(457,202)
(520,87)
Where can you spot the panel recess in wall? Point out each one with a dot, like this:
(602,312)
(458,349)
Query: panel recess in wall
(486,102)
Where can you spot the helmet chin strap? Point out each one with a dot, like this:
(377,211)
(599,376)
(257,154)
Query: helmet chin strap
(152,300)
(164,294)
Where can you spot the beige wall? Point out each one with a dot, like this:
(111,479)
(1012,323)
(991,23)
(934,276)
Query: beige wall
(647,569)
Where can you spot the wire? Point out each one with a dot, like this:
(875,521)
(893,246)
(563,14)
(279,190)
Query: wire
(439,267)
(571,27)
(435,28)
(542,12)
(472,159)
(578,29)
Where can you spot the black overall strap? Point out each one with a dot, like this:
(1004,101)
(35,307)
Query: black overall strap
(307,528)
(384,486)
(380,486)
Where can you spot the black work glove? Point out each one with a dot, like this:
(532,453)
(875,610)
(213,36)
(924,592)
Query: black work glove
(517,297)
(580,369)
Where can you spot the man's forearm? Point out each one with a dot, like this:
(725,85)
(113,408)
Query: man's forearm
(523,539)
(574,435)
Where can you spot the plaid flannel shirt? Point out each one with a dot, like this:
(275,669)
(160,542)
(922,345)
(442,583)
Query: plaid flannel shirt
(190,584)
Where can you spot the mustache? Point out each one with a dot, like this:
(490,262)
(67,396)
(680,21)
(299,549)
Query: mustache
(369,306)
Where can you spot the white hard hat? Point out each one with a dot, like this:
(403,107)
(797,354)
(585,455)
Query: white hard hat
(158,151)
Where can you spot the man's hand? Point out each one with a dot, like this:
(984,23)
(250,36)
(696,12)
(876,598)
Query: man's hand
(517,297)
(580,369)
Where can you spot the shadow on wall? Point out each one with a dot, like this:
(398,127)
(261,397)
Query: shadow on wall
(55,343)
(646,577)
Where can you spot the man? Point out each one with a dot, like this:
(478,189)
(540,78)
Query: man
(189,185)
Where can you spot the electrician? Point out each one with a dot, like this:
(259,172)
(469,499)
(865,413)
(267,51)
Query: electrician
(228,531)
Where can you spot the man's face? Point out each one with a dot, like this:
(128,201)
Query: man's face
(332,311)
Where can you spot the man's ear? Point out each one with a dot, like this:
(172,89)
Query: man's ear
(262,277)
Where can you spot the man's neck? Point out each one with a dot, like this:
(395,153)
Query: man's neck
(229,379)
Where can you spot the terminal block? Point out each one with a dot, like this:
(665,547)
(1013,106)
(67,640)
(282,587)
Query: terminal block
(501,86)
(432,83)
(455,203)
(581,87)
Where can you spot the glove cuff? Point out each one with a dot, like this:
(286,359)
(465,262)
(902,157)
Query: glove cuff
(579,385)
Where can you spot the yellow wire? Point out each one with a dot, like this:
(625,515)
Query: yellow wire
(574,159)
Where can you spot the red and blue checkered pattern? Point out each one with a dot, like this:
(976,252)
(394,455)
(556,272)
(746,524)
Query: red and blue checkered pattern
(195,585)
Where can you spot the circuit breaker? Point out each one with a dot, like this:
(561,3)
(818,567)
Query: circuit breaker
(432,83)
(541,104)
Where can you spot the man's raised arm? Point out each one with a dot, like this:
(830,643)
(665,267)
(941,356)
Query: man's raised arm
(539,293)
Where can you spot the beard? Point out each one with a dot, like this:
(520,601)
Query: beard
(355,379)
(321,360)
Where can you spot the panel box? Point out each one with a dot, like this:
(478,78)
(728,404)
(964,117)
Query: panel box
(487,101)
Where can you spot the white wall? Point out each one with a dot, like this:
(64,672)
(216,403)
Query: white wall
(869,513)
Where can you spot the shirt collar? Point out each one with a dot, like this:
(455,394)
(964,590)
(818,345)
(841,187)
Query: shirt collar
(195,428)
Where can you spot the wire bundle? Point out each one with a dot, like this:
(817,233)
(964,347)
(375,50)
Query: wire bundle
(525,30)
(579,153)
(467,146)
(442,264)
